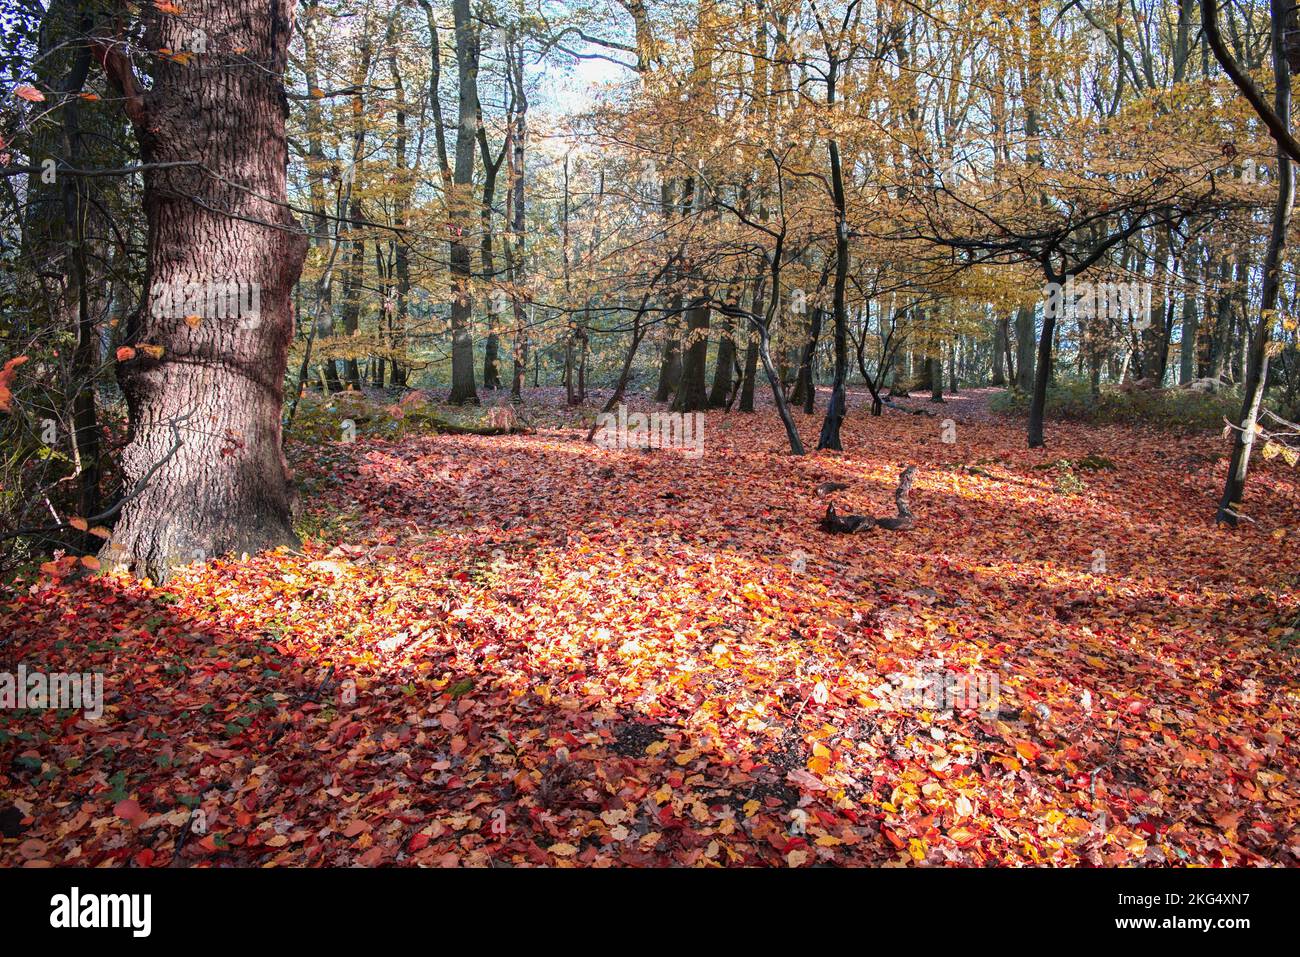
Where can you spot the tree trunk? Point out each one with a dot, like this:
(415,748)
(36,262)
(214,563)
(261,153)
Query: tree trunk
(1257,355)
(1042,376)
(1025,349)
(352,288)
(401,262)
(838,406)
(670,363)
(487,257)
(1000,333)
(515,257)
(351,314)
(691,394)
(805,389)
(58,34)
(323,238)
(1190,324)
(723,365)
(204,473)
(751,352)
(462,304)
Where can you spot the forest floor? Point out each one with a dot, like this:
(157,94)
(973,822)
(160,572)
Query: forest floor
(567,655)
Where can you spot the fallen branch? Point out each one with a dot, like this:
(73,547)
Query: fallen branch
(847,524)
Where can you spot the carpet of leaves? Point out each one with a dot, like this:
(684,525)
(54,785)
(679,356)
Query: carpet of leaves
(563,655)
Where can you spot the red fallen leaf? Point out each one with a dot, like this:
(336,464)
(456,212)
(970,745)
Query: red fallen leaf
(125,354)
(372,857)
(29,93)
(144,858)
(419,842)
(351,731)
(130,811)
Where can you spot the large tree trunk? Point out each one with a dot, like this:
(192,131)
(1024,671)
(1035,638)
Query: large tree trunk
(204,473)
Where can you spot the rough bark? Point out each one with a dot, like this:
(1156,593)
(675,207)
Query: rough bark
(204,472)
